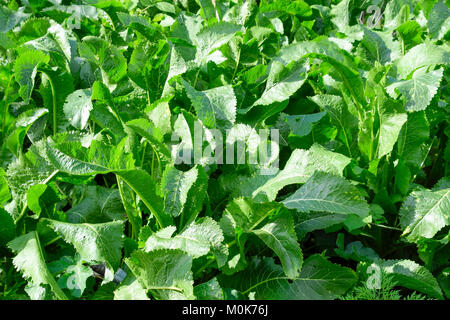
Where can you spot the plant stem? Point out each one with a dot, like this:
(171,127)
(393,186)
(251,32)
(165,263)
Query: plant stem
(52,88)
(143,152)
(5,106)
(386,227)
(237,65)
(131,218)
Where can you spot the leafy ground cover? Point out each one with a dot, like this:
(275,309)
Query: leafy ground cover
(107,193)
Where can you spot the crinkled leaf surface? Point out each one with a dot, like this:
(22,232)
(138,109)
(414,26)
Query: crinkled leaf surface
(30,261)
(165,273)
(318,280)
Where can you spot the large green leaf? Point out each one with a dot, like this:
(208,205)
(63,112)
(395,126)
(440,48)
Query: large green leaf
(301,124)
(96,243)
(424,213)
(96,204)
(30,261)
(197,239)
(283,82)
(341,117)
(75,277)
(414,133)
(341,13)
(408,274)
(318,280)
(327,51)
(130,289)
(184,192)
(11,18)
(54,89)
(439,20)
(422,55)
(26,68)
(5,194)
(24,122)
(106,56)
(325,192)
(214,107)
(300,167)
(390,125)
(24,172)
(7,227)
(165,273)
(210,290)
(99,158)
(77,108)
(211,38)
(277,231)
(380,46)
(417,91)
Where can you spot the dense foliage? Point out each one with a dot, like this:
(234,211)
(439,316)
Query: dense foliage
(94,203)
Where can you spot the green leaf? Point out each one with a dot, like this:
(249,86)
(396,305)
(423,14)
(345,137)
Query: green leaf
(380,46)
(179,187)
(41,197)
(30,261)
(154,136)
(327,51)
(77,108)
(300,167)
(197,239)
(341,117)
(75,277)
(283,82)
(130,289)
(424,213)
(277,233)
(26,68)
(410,33)
(177,67)
(422,55)
(414,133)
(7,227)
(145,187)
(208,9)
(341,14)
(160,116)
(390,125)
(96,243)
(165,273)
(418,91)
(210,290)
(106,56)
(96,204)
(325,192)
(301,124)
(100,158)
(5,194)
(439,20)
(214,107)
(408,274)
(318,280)
(9,18)
(297,7)
(398,12)
(26,171)
(355,250)
(23,124)
(147,67)
(55,87)
(211,38)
